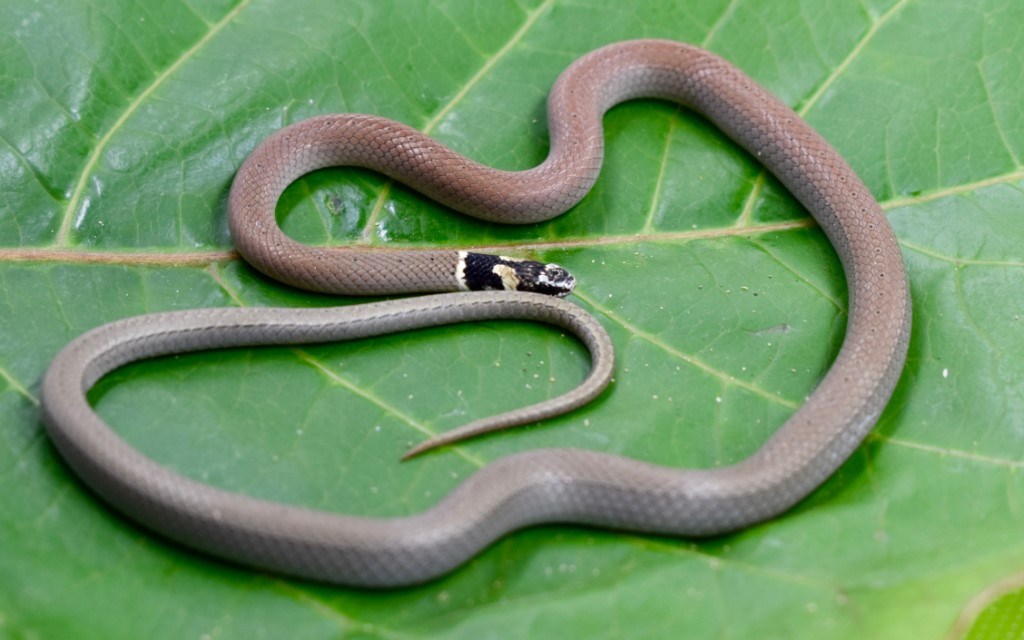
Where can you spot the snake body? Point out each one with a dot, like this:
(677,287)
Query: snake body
(542,486)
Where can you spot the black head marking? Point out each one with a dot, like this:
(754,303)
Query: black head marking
(481,271)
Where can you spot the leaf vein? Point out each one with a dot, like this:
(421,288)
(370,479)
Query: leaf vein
(430,125)
(858,47)
(659,182)
(341,381)
(71,211)
(730,9)
(18,388)
(206,258)
(685,357)
(802,278)
(820,91)
(948,452)
(956,260)
(1013,176)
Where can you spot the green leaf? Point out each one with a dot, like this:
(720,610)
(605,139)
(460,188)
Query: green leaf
(124,122)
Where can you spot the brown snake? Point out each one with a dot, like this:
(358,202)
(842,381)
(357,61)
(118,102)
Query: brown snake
(553,485)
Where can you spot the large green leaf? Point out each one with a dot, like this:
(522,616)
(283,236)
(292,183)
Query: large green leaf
(123,122)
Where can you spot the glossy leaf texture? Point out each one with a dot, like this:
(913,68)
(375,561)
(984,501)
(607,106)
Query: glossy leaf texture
(124,121)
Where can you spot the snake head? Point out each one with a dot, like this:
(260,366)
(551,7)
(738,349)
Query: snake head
(481,271)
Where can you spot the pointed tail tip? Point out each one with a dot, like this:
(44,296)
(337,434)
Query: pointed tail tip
(423,447)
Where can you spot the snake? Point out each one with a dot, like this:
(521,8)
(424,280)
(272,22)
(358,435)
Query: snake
(524,489)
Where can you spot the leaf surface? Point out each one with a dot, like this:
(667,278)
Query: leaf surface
(124,122)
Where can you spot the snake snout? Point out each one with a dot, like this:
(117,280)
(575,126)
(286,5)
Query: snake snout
(549,279)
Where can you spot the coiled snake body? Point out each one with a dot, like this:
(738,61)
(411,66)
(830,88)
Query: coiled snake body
(555,485)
